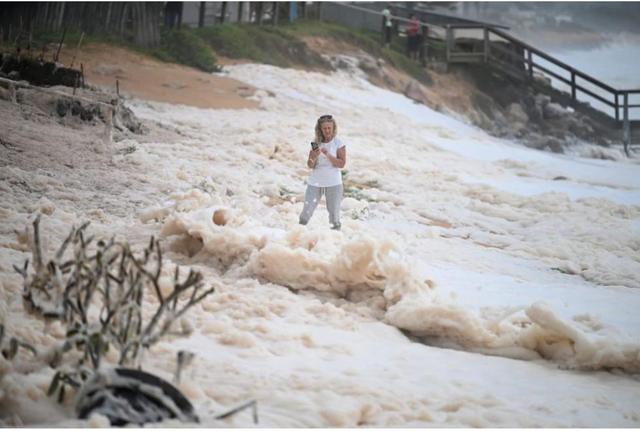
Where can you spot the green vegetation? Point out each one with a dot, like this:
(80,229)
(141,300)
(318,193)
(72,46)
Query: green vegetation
(284,46)
(281,46)
(176,46)
(231,40)
(262,44)
(184,47)
(365,39)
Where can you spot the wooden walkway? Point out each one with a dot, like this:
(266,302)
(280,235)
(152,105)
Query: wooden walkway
(457,40)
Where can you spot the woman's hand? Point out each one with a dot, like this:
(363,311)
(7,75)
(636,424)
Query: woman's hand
(313,158)
(339,161)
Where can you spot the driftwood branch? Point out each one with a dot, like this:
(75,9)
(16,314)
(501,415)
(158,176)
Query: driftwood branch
(110,279)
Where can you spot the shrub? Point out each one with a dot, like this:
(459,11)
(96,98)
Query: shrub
(183,46)
(262,44)
(230,40)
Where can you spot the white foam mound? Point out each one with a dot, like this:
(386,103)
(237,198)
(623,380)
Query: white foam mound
(539,332)
(375,273)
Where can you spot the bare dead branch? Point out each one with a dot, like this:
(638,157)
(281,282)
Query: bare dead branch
(107,277)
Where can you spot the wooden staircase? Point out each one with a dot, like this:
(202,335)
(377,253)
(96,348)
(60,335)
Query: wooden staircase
(452,39)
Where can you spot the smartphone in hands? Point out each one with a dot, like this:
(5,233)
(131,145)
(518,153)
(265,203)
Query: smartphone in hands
(314,145)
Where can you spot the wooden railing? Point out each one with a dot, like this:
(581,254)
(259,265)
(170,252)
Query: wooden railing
(521,62)
(614,102)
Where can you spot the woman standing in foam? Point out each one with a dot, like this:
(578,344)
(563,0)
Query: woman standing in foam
(327,157)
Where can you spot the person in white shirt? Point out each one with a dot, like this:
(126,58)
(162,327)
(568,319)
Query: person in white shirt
(328,155)
(387,26)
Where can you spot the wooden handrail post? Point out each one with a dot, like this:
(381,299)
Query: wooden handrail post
(573,85)
(626,132)
(530,61)
(617,108)
(486,44)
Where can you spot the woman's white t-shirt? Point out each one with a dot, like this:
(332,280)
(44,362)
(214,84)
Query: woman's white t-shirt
(325,174)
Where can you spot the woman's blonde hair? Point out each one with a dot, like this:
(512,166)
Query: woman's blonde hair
(321,120)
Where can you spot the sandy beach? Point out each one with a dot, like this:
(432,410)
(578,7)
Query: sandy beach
(150,79)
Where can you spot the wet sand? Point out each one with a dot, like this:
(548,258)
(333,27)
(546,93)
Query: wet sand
(146,78)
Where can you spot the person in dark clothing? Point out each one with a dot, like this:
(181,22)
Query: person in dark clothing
(413,37)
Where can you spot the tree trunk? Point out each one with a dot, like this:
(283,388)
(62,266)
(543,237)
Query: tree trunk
(201,12)
(155,12)
(274,12)
(144,23)
(240,7)
(123,17)
(259,13)
(60,16)
(107,20)
(134,21)
(223,13)
(137,13)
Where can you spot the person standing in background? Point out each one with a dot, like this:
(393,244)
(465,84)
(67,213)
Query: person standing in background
(413,37)
(387,26)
